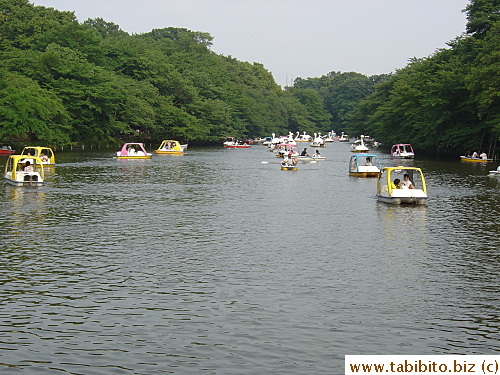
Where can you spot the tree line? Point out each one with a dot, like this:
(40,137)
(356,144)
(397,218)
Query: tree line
(63,82)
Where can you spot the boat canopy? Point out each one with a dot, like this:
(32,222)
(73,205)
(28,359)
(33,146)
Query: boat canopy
(389,174)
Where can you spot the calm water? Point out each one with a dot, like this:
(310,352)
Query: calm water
(214,263)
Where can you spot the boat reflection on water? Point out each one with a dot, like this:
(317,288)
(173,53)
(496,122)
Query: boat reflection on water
(399,223)
(27,210)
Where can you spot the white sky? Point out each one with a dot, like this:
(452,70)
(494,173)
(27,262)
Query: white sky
(296,38)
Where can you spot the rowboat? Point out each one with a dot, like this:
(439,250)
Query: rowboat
(364,165)
(170,147)
(133,151)
(44,153)
(22,170)
(402,151)
(232,142)
(470,159)
(389,189)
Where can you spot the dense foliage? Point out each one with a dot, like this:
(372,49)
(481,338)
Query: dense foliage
(64,82)
(447,102)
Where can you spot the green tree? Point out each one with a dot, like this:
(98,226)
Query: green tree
(31,112)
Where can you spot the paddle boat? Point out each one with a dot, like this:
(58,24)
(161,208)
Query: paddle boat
(170,147)
(133,151)
(330,137)
(495,173)
(285,148)
(359,145)
(343,137)
(392,187)
(364,165)
(44,153)
(303,137)
(23,170)
(6,150)
(289,164)
(402,151)
(318,141)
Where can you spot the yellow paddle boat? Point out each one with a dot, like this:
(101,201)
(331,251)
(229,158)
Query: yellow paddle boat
(170,147)
(45,154)
(22,170)
(402,185)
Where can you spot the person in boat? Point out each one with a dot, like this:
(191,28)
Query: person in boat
(483,156)
(468,154)
(475,155)
(406,183)
(28,167)
(131,151)
(45,158)
(368,162)
(395,184)
(316,154)
(304,152)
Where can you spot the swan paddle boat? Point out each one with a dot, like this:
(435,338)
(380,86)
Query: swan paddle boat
(170,147)
(133,151)
(7,150)
(44,153)
(303,137)
(359,145)
(495,173)
(402,151)
(343,137)
(390,187)
(330,137)
(364,165)
(318,141)
(22,170)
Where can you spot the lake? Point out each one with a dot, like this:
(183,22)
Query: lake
(216,263)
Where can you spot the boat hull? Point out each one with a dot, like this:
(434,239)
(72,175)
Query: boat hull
(134,157)
(30,183)
(239,146)
(289,168)
(168,152)
(402,200)
(364,174)
(7,152)
(404,156)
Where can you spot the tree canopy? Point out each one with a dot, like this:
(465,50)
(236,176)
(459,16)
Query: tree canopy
(65,82)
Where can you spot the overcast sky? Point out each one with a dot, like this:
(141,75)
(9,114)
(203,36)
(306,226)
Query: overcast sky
(296,38)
